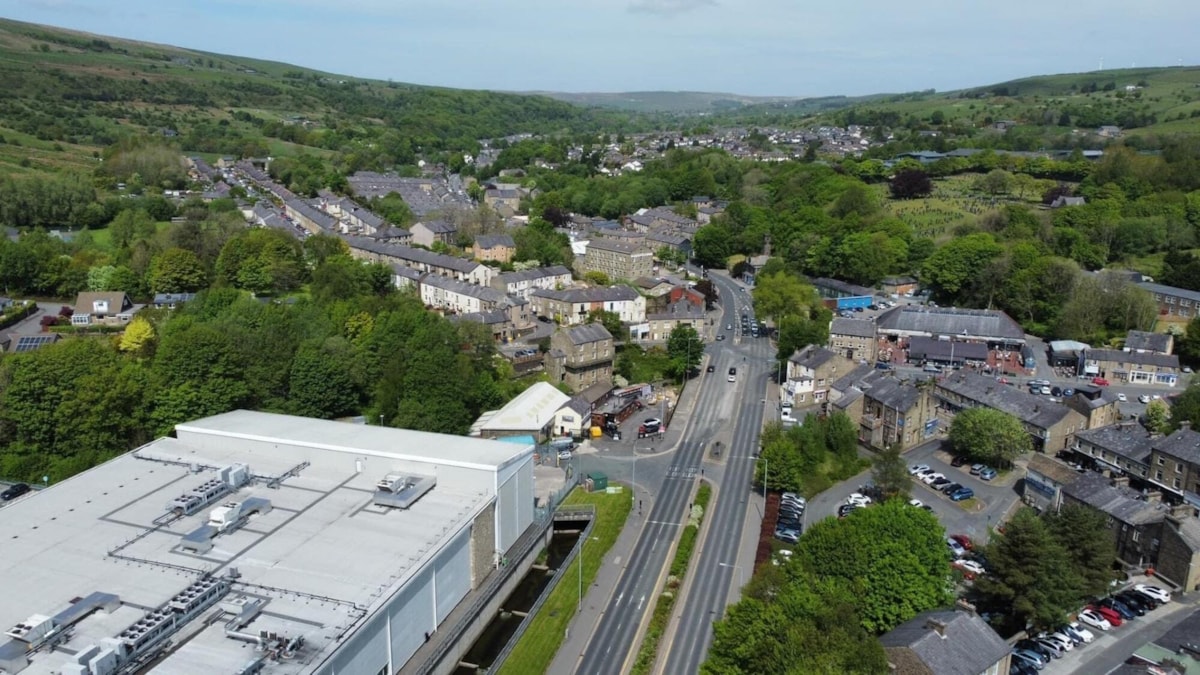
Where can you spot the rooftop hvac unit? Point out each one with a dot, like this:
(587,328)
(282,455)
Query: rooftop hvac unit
(400,491)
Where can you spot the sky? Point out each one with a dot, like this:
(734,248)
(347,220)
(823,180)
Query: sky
(749,47)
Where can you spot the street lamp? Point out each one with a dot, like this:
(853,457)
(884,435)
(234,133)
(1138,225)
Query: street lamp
(741,575)
(766,472)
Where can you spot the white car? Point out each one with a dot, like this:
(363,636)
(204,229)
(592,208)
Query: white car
(970,566)
(918,468)
(1082,632)
(857,499)
(1144,398)
(1092,618)
(916,502)
(1122,398)
(1154,592)
(1064,643)
(930,477)
(956,548)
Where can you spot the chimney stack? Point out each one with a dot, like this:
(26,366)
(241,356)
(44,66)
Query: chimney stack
(1153,497)
(1121,481)
(1182,511)
(937,626)
(1185,425)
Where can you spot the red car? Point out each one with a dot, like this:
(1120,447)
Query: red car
(1099,381)
(964,541)
(1113,617)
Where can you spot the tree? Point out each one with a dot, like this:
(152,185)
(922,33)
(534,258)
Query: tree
(783,294)
(138,337)
(322,380)
(891,473)
(1158,417)
(891,558)
(910,184)
(953,269)
(611,322)
(1032,579)
(856,199)
(989,435)
(685,350)
(597,278)
(1084,534)
(1189,343)
(177,270)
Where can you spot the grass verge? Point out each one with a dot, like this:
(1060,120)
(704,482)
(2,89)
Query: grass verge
(666,601)
(537,647)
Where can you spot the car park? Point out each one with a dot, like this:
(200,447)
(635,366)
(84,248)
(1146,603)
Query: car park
(1095,620)
(13,491)
(1154,592)
(987,474)
(965,493)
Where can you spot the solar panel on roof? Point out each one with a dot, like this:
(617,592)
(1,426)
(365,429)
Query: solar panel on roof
(28,343)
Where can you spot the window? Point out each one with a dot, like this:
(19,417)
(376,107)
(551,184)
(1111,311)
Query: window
(1136,535)
(1157,475)
(1160,461)
(1176,483)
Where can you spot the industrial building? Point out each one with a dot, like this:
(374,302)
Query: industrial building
(253,542)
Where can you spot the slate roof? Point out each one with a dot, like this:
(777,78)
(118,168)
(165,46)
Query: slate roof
(1052,468)
(534,273)
(588,332)
(484,293)
(595,294)
(493,318)
(408,253)
(438,226)
(968,647)
(1034,410)
(852,327)
(1183,444)
(812,356)
(1160,289)
(1129,441)
(1122,503)
(854,377)
(1140,340)
(319,218)
(977,323)
(921,347)
(617,246)
(490,241)
(894,394)
(1132,358)
(580,405)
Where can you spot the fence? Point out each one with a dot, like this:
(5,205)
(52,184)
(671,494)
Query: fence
(584,509)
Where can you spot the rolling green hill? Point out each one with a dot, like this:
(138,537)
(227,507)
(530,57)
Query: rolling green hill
(666,101)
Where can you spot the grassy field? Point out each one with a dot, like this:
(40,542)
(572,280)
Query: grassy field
(954,202)
(537,647)
(103,236)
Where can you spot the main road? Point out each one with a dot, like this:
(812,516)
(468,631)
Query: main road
(609,649)
(716,567)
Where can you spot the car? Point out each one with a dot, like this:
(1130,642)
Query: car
(728,326)
(1030,657)
(941,483)
(1085,635)
(1094,619)
(1187,369)
(793,497)
(1135,601)
(790,524)
(976,468)
(1122,397)
(846,509)
(930,477)
(13,491)
(1154,592)
(720,337)
(1144,398)
(858,499)
(1112,616)
(965,493)
(969,567)
(1046,391)
(949,488)
(1055,391)
(956,548)
(791,514)
(1068,392)
(1064,643)
(1099,381)
(1052,646)
(916,502)
(1150,601)
(710,368)
(963,541)
(987,474)
(958,460)
(787,535)
(732,375)
(918,468)
(1016,667)
(1127,613)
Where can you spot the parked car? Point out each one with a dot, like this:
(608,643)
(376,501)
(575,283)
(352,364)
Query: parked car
(1099,381)
(1029,657)
(1127,613)
(1064,643)
(13,491)
(1150,601)
(1144,398)
(846,509)
(970,568)
(1035,647)
(857,499)
(965,493)
(1016,667)
(1052,646)
(1122,398)
(918,469)
(1094,619)
(941,483)
(963,541)
(987,474)
(916,502)
(950,488)
(956,548)
(1135,601)
(1112,616)
(958,460)
(976,468)
(789,536)
(1085,635)
(930,477)
(1068,392)
(1154,592)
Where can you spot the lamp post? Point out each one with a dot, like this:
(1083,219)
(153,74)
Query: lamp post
(766,472)
(579,605)
(741,576)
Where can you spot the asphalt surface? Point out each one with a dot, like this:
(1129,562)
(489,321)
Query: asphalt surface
(610,647)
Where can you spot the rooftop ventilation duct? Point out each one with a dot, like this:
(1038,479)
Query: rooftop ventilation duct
(400,491)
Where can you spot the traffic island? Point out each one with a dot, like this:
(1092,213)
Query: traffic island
(648,653)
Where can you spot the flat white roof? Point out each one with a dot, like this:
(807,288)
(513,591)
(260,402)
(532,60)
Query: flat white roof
(533,409)
(324,556)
